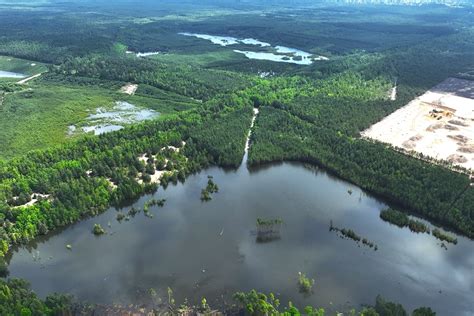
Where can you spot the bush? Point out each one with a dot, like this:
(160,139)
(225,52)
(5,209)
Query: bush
(3,268)
(386,308)
(98,230)
(444,237)
(59,304)
(305,284)
(423,311)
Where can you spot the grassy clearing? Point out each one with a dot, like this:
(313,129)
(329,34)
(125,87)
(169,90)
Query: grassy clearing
(38,117)
(207,59)
(22,66)
(165,102)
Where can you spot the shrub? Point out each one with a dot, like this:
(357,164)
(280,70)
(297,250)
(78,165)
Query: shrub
(305,284)
(98,230)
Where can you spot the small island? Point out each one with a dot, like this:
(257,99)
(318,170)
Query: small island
(206,193)
(98,230)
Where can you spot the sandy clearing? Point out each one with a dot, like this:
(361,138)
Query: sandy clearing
(111,183)
(24,81)
(437,124)
(143,158)
(129,89)
(252,124)
(175,149)
(35,197)
(156,177)
(393,94)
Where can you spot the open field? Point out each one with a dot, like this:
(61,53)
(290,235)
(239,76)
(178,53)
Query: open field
(50,109)
(23,66)
(207,59)
(439,124)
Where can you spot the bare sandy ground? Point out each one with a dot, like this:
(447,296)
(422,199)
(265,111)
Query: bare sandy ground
(111,184)
(129,89)
(24,81)
(247,143)
(34,199)
(156,177)
(393,94)
(438,124)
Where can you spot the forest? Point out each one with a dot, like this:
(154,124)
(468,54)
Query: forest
(312,114)
(17,299)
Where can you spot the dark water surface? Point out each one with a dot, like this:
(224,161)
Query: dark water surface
(208,249)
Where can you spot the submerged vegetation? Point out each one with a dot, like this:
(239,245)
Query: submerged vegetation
(444,237)
(211,188)
(98,230)
(256,304)
(402,220)
(305,284)
(350,234)
(17,299)
(268,229)
(151,203)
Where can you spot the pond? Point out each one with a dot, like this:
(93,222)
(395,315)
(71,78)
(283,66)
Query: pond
(209,249)
(106,120)
(276,54)
(8,74)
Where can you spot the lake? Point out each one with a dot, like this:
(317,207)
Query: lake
(276,54)
(209,249)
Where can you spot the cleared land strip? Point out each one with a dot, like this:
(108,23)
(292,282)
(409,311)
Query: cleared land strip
(24,81)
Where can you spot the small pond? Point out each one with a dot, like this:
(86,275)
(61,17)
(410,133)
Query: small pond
(106,120)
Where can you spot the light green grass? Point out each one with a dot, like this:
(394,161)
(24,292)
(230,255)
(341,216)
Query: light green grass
(206,59)
(39,116)
(22,66)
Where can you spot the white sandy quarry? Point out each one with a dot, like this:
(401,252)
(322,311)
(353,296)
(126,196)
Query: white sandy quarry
(129,89)
(439,124)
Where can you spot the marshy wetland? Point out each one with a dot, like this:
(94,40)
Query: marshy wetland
(106,120)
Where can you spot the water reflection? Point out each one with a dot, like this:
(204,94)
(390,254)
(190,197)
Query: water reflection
(208,249)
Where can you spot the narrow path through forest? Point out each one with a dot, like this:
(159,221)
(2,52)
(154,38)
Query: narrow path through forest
(247,143)
(23,81)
